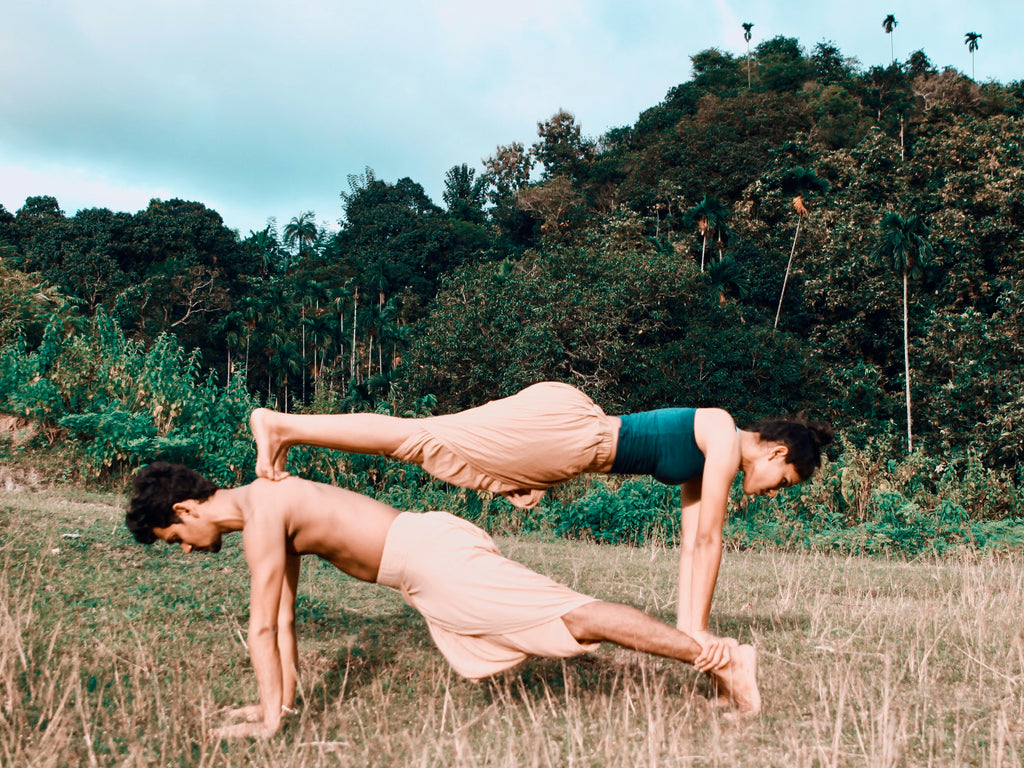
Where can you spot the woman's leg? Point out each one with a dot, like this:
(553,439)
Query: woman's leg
(370,433)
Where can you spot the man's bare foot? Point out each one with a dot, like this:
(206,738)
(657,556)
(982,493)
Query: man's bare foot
(241,730)
(737,681)
(270,453)
(250,714)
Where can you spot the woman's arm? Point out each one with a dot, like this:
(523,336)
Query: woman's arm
(704,502)
(690,493)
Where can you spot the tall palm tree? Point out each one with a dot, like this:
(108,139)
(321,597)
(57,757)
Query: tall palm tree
(889,24)
(233,328)
(265,244)
(905,249)
(355,320)
(238,328)
(709,217)
(971,41)
(800,182)
(723,234)
(301,231)
(284,359)
(726,274)
(340,296)
(315,300)
(252,314)
(747,26)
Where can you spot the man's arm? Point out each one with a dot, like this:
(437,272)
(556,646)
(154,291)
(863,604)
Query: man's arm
(272,646)
(287,640)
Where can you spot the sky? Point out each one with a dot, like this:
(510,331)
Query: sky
(262,109)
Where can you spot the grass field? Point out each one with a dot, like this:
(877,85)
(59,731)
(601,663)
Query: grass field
(112,654)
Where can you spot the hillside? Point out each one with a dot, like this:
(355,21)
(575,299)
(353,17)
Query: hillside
(743,246)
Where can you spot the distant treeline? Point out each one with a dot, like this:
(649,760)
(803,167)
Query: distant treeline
(753,242)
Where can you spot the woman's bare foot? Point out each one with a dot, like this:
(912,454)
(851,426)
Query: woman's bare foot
(270,453)
(715,651)
(737,681)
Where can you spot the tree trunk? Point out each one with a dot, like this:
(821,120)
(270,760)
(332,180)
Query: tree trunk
(788,265)
(906,361)
(341,334)
(903,147)
(302,368)
(355,309)
(703,247)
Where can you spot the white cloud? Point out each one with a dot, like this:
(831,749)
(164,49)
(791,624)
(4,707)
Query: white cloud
(259,108)
(74,187)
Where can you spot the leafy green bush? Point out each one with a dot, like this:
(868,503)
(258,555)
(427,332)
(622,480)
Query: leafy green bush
(112,436)
(866,504)
(640,510)
(115,405)
(124,405)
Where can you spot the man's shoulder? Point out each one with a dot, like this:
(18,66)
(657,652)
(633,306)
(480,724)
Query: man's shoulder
(297,493)
(263,489)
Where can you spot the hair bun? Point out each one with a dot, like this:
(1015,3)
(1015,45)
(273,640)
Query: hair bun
(821,432)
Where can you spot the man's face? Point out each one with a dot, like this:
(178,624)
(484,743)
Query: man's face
(194,532)
(770,473)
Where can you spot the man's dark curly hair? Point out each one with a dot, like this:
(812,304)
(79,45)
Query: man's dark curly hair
(155,490)
(803,438)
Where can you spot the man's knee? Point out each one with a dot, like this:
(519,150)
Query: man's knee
(584,623)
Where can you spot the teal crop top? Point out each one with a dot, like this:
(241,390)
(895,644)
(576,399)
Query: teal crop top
(659,443)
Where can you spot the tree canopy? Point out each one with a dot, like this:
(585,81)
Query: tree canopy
(578,258)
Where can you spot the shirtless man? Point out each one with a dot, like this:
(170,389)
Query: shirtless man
(485,613)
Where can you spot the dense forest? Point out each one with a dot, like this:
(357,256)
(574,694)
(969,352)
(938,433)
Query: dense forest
(787,231)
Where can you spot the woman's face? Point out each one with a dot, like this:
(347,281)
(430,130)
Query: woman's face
(769,471)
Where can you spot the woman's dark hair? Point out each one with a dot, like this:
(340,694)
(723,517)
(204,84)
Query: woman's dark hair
(155,490)
(803,439)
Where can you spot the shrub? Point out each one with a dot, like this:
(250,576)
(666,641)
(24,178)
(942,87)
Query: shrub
(640,510)
(124,405)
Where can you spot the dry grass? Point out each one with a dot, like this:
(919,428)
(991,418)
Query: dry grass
(115,655)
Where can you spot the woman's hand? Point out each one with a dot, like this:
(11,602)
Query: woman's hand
(715,651)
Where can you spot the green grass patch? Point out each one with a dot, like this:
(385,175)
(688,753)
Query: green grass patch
(116,654)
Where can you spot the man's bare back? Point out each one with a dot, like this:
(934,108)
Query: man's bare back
(346,529)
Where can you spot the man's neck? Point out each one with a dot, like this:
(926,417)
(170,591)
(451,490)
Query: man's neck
(226,508)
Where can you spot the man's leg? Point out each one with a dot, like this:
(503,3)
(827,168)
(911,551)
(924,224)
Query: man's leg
(369,433)
(629,627)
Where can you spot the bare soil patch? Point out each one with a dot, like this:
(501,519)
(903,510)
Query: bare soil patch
(17,428)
